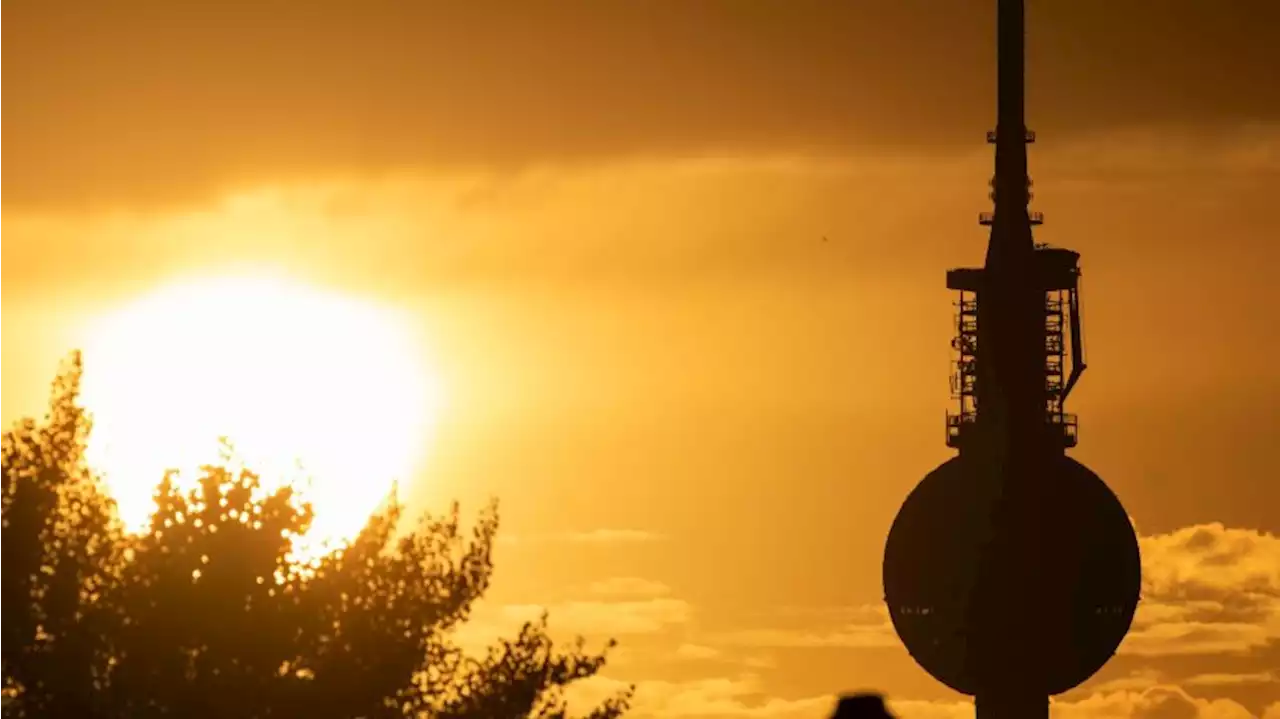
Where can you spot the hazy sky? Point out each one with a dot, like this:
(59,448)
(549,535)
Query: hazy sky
(607,217)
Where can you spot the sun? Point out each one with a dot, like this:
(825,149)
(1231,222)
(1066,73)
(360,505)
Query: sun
(304,383)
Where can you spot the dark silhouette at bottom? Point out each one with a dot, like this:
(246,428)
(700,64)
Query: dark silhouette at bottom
(862,705)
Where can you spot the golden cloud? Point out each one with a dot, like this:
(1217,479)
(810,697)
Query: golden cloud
(1208,589)
(589,618)
(697,652)
(744,697)
(865,626)
(710,698)
(592,618)
(612,81)
(629,587)
(594,536)
(1217,680)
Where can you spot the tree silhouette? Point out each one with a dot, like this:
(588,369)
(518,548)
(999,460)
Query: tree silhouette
(207,613)
(59,552)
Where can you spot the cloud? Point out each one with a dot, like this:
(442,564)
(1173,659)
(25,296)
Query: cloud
(697,652)
(709,698)
(1208,589)
(1218,680)
(629,586)
(320,91)
(1119,154)
(1138,680)
(593,618)
(594,536)
(852,637)
(745,697)
(862,627)
(759,661)
(602,619)
(618,608)
(1159,702)
(1198,579)
(1207,559)
(445,229)
(614,536)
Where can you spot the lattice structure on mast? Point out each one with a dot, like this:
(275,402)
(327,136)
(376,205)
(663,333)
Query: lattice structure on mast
(1059,273)
(964,367)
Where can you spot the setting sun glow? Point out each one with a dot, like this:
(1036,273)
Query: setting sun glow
(306,385)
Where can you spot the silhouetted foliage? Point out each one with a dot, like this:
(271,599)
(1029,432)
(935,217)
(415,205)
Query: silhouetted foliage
(206,614)
(60,549)
(862,705)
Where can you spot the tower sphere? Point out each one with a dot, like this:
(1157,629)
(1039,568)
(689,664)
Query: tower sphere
(1090,567)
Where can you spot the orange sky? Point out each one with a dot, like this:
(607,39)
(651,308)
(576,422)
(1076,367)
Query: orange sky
(607,217)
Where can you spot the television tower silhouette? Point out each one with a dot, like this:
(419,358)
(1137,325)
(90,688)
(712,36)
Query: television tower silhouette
(1012,572)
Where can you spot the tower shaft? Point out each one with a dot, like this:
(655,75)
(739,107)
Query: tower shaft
(1011,410)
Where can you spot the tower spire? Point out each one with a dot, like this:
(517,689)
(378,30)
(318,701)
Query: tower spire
(1011,186)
